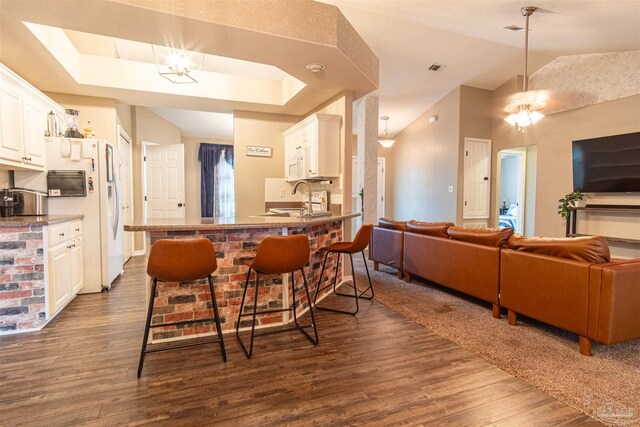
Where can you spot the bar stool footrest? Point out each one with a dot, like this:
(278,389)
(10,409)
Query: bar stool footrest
(174,347)
(279,310)
(183,322)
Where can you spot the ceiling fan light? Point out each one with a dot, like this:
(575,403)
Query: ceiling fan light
(523,118)
(511,119)
(535,116)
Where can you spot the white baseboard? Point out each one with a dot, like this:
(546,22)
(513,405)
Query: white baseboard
(140,252)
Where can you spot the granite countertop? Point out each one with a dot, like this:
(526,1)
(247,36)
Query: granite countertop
(230,223)
(23,221)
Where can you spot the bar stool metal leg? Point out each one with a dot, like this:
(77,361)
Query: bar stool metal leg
(147,326)
(295,314)
(217,318)
(253,320)
(355,295)
(362,294)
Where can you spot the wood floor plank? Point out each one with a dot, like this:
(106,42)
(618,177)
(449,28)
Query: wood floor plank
(376,368)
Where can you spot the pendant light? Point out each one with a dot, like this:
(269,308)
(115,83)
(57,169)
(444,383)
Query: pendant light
(524,109)
(386,142)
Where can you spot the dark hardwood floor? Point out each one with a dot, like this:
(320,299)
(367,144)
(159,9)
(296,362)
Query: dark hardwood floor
(377,368)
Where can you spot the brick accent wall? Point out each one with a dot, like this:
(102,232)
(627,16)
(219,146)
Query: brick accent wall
(190,300)
(22,287)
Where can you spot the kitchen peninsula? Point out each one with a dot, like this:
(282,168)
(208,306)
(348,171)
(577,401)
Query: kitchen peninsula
(235,240)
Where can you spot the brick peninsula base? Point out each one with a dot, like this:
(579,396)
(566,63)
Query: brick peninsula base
(234,242)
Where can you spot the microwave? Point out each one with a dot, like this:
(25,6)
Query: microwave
(66,183)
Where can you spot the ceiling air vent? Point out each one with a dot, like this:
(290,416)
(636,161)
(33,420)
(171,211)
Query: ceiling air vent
(514,28)
(437,67)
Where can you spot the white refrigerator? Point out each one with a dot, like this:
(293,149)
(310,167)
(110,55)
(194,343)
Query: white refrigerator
(102,227)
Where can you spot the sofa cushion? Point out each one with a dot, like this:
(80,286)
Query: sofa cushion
(436,229)
(392,224)
(589,248)
(481,236)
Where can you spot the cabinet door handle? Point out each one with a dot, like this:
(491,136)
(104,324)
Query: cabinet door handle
(61,234)
(77,229)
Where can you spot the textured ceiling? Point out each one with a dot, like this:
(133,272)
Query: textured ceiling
(468,37)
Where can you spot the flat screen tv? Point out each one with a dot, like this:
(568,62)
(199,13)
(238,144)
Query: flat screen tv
(609,164)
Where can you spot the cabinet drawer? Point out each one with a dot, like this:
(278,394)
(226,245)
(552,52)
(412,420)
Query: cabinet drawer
(59,233)
(75,229)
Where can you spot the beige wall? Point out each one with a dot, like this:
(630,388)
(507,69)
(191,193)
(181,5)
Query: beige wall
(423,163)
(192,172)
(4,178)
(123,117)
(475,122)
(101,112)
(553,136)
(250,172)
(146,126)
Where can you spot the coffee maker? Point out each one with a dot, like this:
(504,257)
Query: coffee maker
(6,203)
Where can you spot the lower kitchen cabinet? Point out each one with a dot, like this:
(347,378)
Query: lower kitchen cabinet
(64,264)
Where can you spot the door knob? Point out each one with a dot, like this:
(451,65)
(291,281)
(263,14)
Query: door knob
(180,205)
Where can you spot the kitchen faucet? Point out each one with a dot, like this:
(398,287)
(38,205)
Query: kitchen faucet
(295,187)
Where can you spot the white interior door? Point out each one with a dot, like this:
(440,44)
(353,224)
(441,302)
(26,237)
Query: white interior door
(477,172)
(381,195)
(125,149)
(164,181)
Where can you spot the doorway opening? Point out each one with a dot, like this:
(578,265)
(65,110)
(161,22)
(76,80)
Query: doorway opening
(357,184)
(516,189)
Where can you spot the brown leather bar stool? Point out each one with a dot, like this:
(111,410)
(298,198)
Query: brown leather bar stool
(181,261)
(359,244)
(278,255)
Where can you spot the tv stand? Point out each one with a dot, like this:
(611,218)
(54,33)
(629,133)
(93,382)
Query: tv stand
(572,219)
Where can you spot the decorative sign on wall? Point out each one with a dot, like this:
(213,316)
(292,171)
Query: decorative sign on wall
(254,150)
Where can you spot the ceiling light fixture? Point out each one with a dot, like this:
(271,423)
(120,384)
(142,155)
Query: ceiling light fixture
(315,68)
(178,65)
(525,105)
(386,142)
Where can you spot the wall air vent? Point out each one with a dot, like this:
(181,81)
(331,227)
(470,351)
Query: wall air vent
(514,28)
(437,67)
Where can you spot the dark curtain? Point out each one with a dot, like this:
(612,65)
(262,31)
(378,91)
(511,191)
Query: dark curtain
(209,156)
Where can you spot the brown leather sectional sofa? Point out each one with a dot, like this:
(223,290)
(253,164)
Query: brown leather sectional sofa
(568,283)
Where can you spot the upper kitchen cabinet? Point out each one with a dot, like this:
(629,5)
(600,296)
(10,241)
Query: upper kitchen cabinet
(312,148)
(23,121)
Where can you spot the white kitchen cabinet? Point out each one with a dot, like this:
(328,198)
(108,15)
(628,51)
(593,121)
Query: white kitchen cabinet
(10,122)
(293,157)
(23,121)
(64,264)
(312,148)
(59,277)
(75,261)
(34,120)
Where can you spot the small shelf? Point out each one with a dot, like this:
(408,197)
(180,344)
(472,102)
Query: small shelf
(573,219)
(610,239)
(606,207)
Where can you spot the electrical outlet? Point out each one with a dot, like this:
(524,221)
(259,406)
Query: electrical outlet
(282,195)
(451,189)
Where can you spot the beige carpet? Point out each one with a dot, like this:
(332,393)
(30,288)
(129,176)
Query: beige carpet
(605,386)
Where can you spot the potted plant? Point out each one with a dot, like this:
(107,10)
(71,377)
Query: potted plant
(568,202)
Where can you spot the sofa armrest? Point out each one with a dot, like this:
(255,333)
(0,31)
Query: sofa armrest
(550,289)
(386,247)
(614,302)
